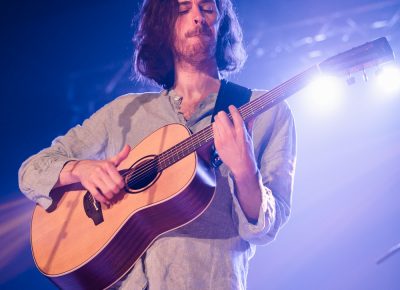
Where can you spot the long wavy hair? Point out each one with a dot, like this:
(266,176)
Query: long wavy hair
(153,57)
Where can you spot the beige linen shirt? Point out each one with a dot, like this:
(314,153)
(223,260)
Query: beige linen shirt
(212,252)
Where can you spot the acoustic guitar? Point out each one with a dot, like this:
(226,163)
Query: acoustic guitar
(169,182)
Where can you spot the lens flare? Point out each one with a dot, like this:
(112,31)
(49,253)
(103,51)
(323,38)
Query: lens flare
(388,79)
(324,95)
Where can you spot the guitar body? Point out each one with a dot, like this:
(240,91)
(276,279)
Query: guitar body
(75,253)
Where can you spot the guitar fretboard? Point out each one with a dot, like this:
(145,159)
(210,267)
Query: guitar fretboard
(250,110)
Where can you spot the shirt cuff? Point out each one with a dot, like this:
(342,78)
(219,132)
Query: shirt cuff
(266,216)
(38,183)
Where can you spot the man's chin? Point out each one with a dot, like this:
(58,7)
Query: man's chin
(196,50)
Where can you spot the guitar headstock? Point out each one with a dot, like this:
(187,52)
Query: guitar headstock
(359,58)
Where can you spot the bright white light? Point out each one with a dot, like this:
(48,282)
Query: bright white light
(324,95)
(389,79)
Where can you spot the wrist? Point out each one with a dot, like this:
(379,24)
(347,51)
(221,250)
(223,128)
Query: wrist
(248,193)
(70,172)
(245,176)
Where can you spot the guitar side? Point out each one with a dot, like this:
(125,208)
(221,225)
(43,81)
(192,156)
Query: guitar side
(77,254)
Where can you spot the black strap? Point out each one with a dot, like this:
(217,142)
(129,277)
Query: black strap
(230,94)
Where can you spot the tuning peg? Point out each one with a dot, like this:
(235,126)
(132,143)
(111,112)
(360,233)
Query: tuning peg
(350,80)
(365,77)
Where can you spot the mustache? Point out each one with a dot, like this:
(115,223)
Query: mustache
(205,30)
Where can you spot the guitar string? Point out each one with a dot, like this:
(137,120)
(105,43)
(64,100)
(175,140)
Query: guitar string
(184,143)
(165,157)
(144,173)
(246,110)
(190,142)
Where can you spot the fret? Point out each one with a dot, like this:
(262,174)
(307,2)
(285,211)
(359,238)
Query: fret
(375,52)
(250,110)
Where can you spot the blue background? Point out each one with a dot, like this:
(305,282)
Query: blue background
(61,60)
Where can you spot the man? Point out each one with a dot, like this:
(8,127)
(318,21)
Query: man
(184,46)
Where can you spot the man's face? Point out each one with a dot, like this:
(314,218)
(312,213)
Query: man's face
(196,29)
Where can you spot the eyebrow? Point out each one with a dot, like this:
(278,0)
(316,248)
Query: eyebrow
(184,3)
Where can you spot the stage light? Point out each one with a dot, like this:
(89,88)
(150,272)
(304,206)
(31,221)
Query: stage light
(324,95)
(388,79)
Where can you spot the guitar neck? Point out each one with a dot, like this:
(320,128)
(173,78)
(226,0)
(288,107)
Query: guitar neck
(248,111)
(358,58)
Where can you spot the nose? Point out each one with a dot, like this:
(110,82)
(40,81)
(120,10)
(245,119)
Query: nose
(198,15)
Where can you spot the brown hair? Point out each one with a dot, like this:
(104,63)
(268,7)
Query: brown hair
(153,58)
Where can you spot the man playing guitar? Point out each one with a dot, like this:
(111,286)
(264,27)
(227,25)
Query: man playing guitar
(185,46)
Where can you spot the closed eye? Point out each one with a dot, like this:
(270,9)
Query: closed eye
(181,12)
(208,7)
(207,10)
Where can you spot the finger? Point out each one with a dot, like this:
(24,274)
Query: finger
(111,186)
(104,187)
(224,125)
(216,135)
(118,158)
(114,174)
(96,194)
(224,120)
(237,120)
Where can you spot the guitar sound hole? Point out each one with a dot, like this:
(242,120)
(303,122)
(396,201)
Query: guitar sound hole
(142,175)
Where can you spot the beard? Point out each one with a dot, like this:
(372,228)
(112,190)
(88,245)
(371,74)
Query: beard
(195,47)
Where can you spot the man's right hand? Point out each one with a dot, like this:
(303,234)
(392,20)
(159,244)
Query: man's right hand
(100,177)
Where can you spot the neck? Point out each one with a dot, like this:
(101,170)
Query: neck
(195,81)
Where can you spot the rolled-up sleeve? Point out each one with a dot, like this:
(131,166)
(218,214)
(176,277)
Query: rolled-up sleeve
(276,158)
(39,173)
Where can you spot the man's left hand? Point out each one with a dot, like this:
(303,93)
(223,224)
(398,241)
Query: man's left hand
(234,143)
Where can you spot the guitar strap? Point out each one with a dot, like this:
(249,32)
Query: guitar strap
(229,94)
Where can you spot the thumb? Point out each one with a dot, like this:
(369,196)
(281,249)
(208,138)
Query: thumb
(119,157)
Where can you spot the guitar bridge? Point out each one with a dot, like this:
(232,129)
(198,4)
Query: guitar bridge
(92,208)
